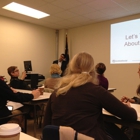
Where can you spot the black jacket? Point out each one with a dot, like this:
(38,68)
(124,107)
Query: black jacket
(7,94)
(63,66)
(18,83)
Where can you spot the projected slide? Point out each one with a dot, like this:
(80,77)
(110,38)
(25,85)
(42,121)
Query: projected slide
(125,42)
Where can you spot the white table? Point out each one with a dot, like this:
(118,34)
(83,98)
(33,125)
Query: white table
(46,95)
(40,100)
(24,136)
(111,89)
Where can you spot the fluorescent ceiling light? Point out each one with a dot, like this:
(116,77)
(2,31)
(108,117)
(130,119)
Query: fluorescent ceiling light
(18,8)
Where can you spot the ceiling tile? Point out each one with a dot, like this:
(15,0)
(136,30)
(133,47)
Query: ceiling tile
(52,19)
(132,5)
(79,19)
(82,9)
(66,4)
(73,13)
(85,1)
(50,9)
(114,10)
(124,1)
(49,1)
(95,15)
(101,4)
(65,14)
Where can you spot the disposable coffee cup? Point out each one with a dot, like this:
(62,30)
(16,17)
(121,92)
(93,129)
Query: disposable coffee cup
(10,131)
(41,89)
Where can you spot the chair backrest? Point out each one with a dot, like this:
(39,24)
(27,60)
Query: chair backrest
(52,132)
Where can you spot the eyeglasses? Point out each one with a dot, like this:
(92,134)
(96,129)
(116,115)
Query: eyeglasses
(16,70)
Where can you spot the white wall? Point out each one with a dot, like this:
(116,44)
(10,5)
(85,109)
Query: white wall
(62,42)
(20,41)
(95,39)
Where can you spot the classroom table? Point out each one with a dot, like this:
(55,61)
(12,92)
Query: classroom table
(42,99)
(24,136)
(107,116)
(111,89)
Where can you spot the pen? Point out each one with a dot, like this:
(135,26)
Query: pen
(126,100)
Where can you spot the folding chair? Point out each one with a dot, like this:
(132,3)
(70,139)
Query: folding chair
(52,132)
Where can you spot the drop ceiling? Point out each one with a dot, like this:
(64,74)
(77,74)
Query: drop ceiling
(65,14)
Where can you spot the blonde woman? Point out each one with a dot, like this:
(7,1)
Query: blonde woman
(55,72)
(79,101)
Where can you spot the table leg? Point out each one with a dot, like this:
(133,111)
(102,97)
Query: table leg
(35,120)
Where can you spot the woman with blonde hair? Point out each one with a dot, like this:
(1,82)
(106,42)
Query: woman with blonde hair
(55,72)
(78,101)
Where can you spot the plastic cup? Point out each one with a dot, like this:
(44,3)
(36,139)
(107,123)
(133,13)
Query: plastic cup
(10,131)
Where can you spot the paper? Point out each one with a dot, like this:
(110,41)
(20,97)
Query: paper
(15,105)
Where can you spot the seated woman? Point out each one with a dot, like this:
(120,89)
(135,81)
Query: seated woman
(55,72)
(78,102)
(100,69)
(134,134)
